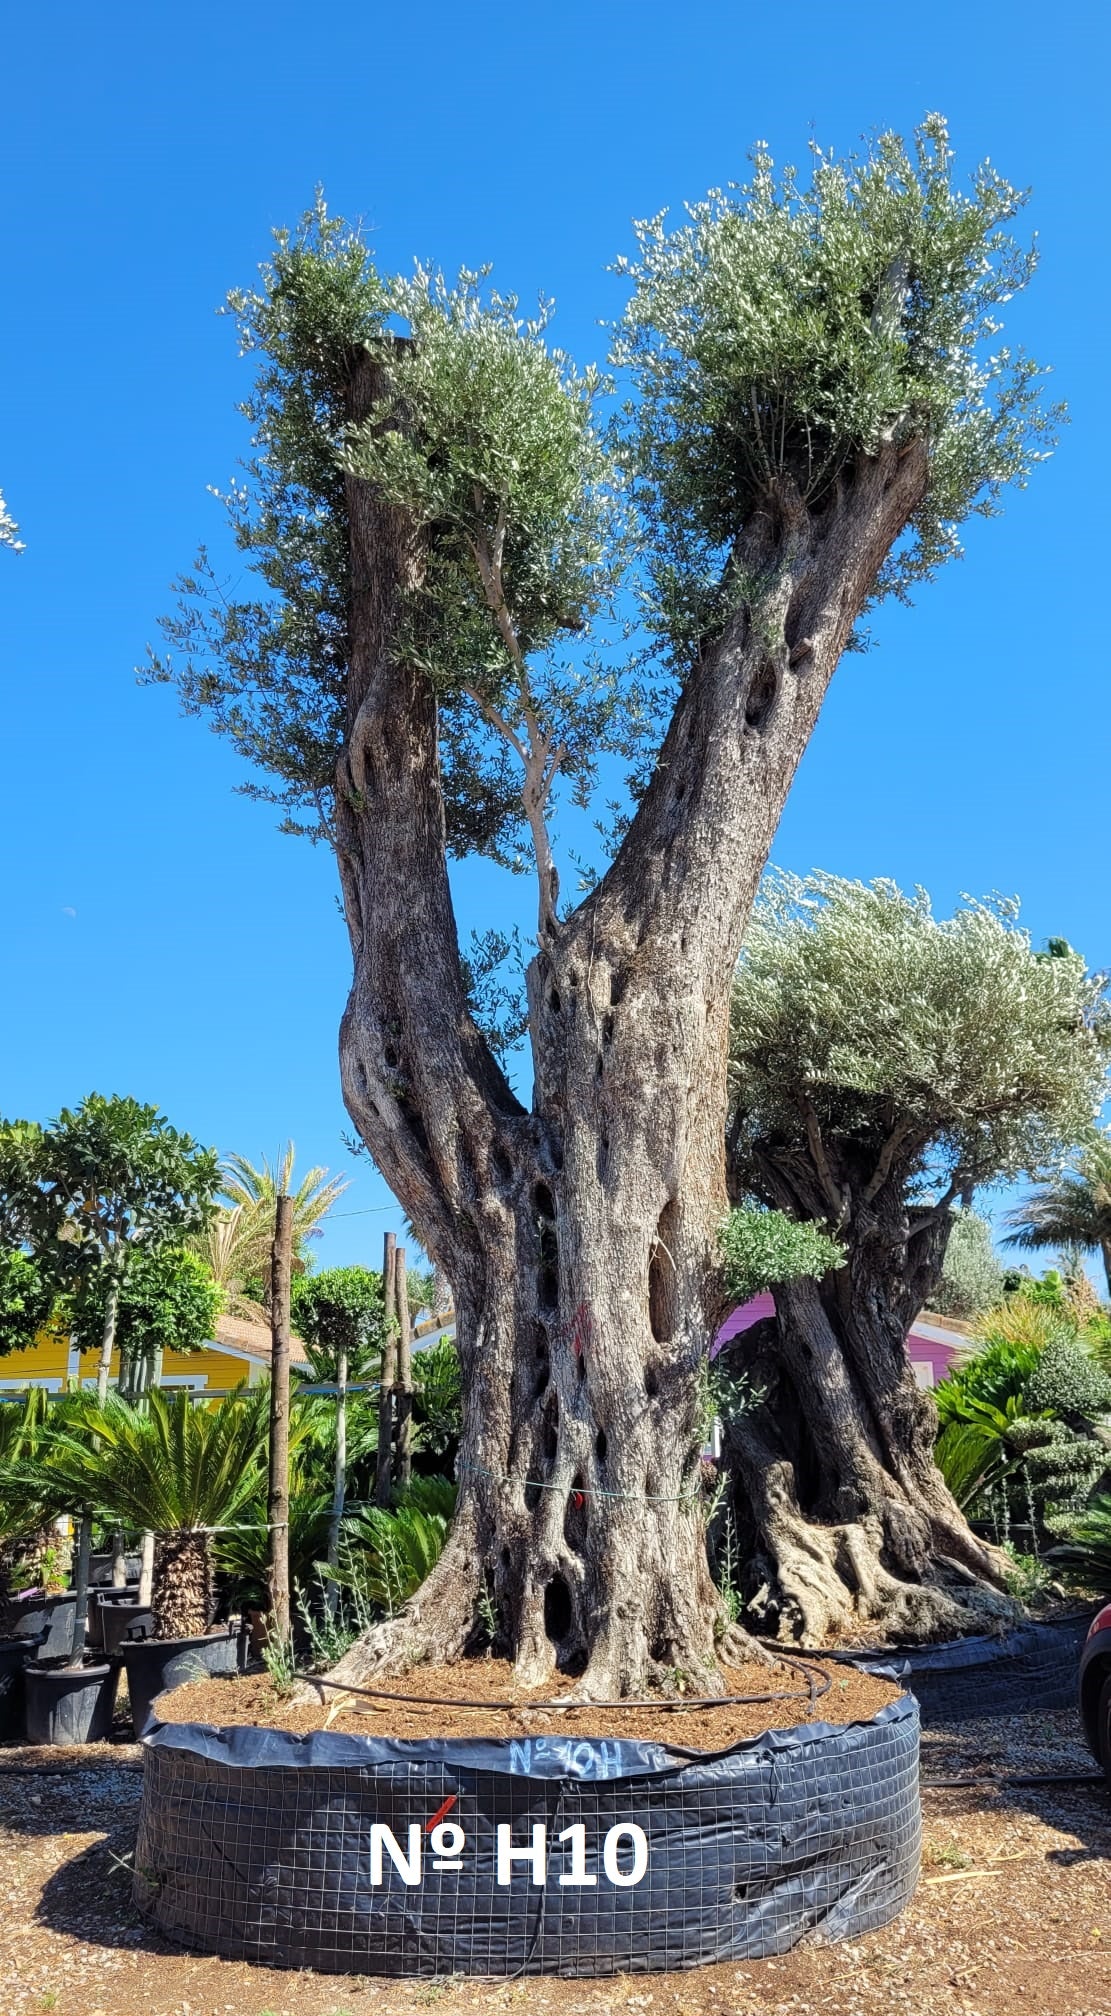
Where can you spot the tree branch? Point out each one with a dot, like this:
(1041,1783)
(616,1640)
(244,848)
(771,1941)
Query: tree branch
(535,756)
(837,1198)
(419,1079)
(680,890)
(884,1161)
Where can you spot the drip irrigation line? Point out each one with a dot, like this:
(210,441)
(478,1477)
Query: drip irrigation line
(818,1683)
(587,1490)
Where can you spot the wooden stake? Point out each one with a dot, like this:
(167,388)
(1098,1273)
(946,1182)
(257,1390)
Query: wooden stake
(383,1483)
(277,1504)
(403,1406)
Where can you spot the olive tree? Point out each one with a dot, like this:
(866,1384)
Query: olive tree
(9,530)
(884,1063)
(440,515)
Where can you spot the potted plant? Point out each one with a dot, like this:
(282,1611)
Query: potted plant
(182,1472)
(35,1613)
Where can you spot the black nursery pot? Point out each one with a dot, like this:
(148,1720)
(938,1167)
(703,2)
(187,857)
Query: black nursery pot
(45,1624)
(157,1664)
(100,1570)
(69,1704)
(120,1617)
(13,1657)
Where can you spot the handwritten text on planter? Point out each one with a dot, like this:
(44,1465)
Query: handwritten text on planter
(624,1854)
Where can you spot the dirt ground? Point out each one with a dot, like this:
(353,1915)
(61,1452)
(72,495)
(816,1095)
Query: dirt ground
(1012,1917)
(777,1693)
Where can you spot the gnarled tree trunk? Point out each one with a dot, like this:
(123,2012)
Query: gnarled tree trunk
(579,1236)
(842,1513)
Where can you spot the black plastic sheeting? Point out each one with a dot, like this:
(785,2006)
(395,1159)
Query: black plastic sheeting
(540,1855)
(1033,1667)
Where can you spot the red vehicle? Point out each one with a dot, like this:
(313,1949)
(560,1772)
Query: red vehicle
(1095,1687)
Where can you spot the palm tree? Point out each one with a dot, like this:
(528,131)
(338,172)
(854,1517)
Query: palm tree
(230,1248)
(176,1470)
(254,1193)
(1071,1209)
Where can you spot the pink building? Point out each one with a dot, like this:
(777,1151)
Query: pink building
(932,1344)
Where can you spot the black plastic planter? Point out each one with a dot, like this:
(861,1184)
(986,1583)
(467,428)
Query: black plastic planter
(100,1570)
(69,1704)
(121,1618)
(13,1658)
(1033,1667)
(156,1664)
(541,1855)
(45,1623)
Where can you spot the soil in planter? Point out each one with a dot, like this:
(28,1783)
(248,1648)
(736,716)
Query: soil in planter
(250,1699)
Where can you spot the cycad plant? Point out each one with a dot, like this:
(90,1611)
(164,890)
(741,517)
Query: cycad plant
(1087,1552)
(26,1506)
(177,1470)
(388,1554)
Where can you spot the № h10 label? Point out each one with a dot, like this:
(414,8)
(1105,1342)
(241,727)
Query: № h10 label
(624,1857)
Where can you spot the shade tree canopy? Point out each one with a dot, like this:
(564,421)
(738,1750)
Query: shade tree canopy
(439,511)
(167,1301)
(106,1181)
(27,1300)
(971,1276)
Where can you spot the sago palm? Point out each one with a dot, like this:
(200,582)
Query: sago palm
(177,1470)
(27,1505)
(1071,1209)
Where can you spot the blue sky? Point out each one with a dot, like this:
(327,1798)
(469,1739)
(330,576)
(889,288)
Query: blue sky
(163,939)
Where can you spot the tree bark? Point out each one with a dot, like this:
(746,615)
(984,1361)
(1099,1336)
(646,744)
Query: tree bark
(81,1590)
(277,1504)
(847,1518)
(107,1339)
(580,1237)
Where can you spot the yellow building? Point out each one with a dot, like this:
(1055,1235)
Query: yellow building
(239,1353)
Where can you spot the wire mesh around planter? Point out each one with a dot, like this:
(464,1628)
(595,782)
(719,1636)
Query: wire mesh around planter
(535,1855)
(1033,1667)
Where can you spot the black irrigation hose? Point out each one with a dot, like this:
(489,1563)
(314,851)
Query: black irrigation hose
(566,1707)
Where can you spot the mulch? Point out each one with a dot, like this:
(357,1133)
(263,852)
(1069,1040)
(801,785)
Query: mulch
(236,1699)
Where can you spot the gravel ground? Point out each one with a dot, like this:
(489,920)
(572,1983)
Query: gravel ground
(1013,1913)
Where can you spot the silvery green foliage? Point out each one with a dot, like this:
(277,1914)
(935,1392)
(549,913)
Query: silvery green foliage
(777,336)
(499,461)
(950,1034)
(785,329)
(971,1278)
(269,667)
(9,530)
(761,1249)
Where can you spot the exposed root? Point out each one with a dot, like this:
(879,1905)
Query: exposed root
(824,1581)
(738,1647)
